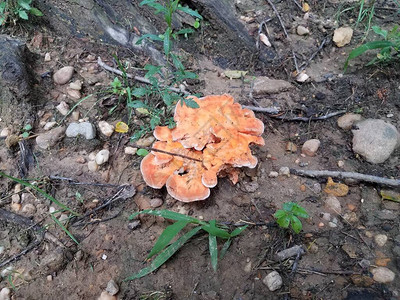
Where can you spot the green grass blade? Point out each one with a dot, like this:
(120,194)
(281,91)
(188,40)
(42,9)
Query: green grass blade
(44,194)
(212,245)
(167,235)
(167,214)
(64,229)
(225,248)
(238,231)
(167,42)
(367,46)
(211,228)
(165,255)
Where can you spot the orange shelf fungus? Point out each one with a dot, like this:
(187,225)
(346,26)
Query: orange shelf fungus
(208,142)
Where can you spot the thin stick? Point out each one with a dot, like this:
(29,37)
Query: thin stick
(279,17)
(72,181)
(298,4)
(166,152)
(260,28)
(312,118)
(306,63)
(268,110)
(137,78)
(348,175)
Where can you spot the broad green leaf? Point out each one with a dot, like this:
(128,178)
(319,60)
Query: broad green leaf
(288,206)
(149,36)
(165,255)
(214,230)
(142,152)
(167,42)
(296,224)
(238,231)
(166,96)
(23,15)
(157,6)
(28,127)
(225,248)
(167,214)
(64,229)
(380,31)
(283,222)
(280,214)
(191,103)
(190,11)
(137,104)
(212,245)
(24,4)
(154,121)
(25,135)
(367,46)
(166,236)
(43,193)
(35,12)
(151,70)
(300,211)
(139,92)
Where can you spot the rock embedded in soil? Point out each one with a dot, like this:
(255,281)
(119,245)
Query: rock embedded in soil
(265,85)
(49,125)
(106,128)
(63,108)
(74,94)
(156,202)
(333,204)
(284,171)
(63,75)
(93,166)
(5,294)
(346,121)
(76,85)
(145,142)
(50,138)
(273,174)
(342,36)
(5,132)
(310,147)
(249,187)
(54,260)
(47,57)
(381,239)
(375,140)
(273,281)
(301,30)
(130,150)
(29,209)
(383,275)
(102,157)
(112,288)
(85,128)
(106,296)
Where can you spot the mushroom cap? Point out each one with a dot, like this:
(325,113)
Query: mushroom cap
(162,133)
(194,125)
(156,175)
(188,187)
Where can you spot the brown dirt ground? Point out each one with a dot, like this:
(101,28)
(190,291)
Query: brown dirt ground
(82,273)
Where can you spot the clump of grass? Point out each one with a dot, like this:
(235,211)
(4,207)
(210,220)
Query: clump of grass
(164,250)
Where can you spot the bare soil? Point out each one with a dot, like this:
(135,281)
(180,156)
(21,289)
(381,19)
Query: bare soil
(109,249)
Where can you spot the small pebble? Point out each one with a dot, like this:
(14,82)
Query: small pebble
(102,157)
(145,142)
(76,85)
(301,30)
(332,225)
(104,257)
(156,202)
(112,288)
(291,147)
(346,121)
(63,75)
(16,206)
(130,150)
(63,108)
(75,116)
(390,115)
(273,174)
(340,163)
(310,147)
(383,275)
(29,209)
(49,125)
(333,204)
(74,94)
(15,198)
(93,166)
(5,294)
(47,57)
(52,209)
(106,128)
(5,132)
(49,278)
(134,225)
(273,281)
(85,128)
(106,296)
(381,239)
(284,171)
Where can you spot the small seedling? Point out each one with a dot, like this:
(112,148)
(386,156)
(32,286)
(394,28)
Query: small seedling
(389,47)
(142,152)
(289,216)
(26,131)
(164,250)
(12,11)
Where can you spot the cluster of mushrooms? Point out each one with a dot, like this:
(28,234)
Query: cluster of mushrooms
(208,142)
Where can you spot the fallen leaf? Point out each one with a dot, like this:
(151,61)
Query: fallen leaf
(305,7)
(235,74)
(142,110)
(336,189)
(390,195)
(121,127)
(382,262)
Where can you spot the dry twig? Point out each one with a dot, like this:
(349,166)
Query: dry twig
(312,118)
(279,17)
(348,175)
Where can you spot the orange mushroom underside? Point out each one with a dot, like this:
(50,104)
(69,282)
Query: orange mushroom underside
(208,142)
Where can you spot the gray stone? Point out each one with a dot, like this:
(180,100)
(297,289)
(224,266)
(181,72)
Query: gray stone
(301,30)
(85,128)
(310,147)
(54,260)
(386,214)
(50,138)
(273,281)
(249,187)
(346,122)
(375,140)
(383,275)
(332,204)
(265,85)
(112,288)
(284,171)
(63,75)
(156,202)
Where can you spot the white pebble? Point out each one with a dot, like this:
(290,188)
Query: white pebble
(5,132)
(273,281)
(284,171)
(130,150)
(102,157)
(93,166)
(5,294)
(47,57)
(380,239)
(106,128)
(63,108)
(273,174)
(49,125)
